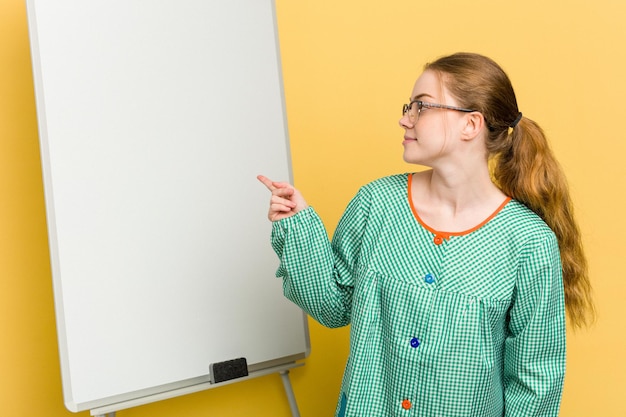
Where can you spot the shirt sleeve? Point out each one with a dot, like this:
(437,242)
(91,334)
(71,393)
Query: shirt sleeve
(318,276)
(534,365)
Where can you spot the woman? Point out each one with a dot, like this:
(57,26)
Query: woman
(455,280)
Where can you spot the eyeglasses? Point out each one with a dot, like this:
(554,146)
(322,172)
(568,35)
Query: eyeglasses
(415,114)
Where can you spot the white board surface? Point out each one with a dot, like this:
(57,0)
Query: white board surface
(155,118)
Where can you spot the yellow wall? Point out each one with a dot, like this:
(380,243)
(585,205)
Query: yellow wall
(348,67)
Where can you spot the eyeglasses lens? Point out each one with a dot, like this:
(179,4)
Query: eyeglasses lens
(411,109)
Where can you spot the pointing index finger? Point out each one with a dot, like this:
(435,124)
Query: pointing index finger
(267,182)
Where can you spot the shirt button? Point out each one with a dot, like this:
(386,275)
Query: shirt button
(438,240)
(406,404)
(429,278)
(415,343)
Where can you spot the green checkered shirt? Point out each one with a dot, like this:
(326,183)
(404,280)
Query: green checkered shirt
(472,326)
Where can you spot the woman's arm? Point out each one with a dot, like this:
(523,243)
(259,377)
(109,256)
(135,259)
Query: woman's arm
(317,276)
(534,366)
(308,271)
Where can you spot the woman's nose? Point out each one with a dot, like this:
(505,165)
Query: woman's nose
(405,122)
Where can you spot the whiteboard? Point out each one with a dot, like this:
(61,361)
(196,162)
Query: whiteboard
(154,119)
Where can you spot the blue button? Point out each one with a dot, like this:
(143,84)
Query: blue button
(415,343)
(429,278)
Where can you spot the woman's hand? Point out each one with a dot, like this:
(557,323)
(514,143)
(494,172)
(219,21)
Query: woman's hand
(285,201)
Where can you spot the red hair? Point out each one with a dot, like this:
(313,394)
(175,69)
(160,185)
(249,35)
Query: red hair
(524,166)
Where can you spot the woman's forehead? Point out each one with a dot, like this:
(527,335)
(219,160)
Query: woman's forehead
(429,87)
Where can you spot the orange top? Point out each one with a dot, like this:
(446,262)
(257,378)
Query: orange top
(440,235)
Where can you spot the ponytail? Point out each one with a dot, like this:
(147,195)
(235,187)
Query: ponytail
(527,170)
(523,165)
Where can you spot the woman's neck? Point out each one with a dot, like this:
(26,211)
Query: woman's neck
(455,199)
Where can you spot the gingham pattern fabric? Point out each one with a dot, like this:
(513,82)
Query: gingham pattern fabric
(474,326)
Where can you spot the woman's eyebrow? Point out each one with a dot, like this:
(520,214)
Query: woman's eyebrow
(419,96)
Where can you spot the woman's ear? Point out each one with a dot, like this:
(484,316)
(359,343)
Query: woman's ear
(474,123)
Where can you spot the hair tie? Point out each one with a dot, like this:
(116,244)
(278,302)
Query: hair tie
(516,121)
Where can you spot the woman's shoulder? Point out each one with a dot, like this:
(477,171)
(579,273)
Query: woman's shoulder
(380,195)
(521,221)
(388,184)
(385,192)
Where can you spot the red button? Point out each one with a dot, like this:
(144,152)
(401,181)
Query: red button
(406,404)
(438,240)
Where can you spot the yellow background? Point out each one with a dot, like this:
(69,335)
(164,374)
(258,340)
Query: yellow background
(348,67)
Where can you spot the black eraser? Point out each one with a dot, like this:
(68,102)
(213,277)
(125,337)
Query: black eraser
(224,371)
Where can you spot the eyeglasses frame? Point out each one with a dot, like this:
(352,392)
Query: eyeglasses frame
(426,105)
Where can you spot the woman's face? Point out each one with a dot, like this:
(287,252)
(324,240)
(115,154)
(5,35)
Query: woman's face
(431,133)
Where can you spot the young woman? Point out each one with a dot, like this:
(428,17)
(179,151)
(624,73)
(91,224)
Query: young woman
(455,280)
